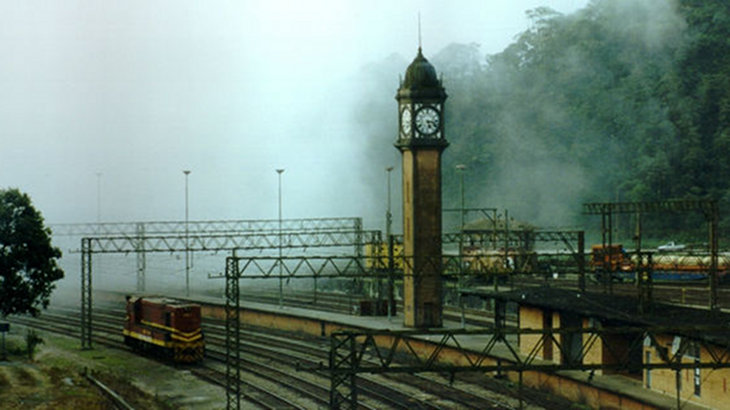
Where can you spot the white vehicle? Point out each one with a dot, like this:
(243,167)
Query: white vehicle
(670,247)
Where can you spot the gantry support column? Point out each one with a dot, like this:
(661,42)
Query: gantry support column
(86,293)
(141,258)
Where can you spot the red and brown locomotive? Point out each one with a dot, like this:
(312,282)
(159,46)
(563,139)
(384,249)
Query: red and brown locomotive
(164,327)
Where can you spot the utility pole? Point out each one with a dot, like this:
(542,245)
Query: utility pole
(281,279)
(388,225)
(98,197)
(187,246)
(460,283)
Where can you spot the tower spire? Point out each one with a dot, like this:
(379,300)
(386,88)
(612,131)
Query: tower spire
(419,31)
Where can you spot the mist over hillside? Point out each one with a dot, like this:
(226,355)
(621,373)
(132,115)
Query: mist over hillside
(622,100)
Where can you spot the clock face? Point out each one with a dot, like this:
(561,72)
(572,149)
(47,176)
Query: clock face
(405,120)
(427,120)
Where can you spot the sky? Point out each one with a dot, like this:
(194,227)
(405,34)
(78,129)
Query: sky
(103,104)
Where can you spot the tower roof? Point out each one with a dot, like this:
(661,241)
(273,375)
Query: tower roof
(421,74)
(421,80)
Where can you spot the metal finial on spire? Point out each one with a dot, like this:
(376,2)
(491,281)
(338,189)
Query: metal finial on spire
(419,31)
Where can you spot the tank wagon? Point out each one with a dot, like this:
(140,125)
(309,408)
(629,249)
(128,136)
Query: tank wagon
(165,328)
(666,266)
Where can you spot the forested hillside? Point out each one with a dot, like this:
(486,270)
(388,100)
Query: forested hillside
(624,100)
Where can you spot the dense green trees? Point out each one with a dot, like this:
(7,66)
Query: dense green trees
(28,261)
(623,100)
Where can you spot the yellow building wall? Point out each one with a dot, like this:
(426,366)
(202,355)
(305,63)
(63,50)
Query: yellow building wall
(714,383)
(534,318)
(530,318)
(580,392)
(594,355)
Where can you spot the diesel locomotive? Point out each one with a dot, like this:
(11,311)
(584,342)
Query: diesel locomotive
(165,328)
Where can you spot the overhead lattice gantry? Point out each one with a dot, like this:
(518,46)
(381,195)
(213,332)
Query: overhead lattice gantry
(207,227)
(244,241)
(355,352)
(238,268)
(495,350)
(205,243)
(251,268)
(126,237)
(216,227)
(708,207)
(570,258)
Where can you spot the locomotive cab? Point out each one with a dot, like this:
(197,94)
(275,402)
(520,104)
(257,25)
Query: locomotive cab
(164,327)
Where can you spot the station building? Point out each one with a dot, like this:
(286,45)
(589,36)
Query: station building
(625,349)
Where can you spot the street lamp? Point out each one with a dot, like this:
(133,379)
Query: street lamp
(187,247)
(388,223)
(460,168)
(98,197)
(388,215)
(281,279)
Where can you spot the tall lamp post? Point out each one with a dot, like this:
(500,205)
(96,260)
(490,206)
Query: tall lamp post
(187,247)
(388,223)
(281,279)
(98,197)
(461,168)
(388,214)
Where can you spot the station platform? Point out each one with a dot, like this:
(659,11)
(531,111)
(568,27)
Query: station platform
(604,391)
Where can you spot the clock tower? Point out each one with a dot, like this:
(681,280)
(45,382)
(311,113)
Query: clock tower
(421,141)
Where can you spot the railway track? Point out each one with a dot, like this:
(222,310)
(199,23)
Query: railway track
(374,391)
(107,325)
(277,356)
(269,360)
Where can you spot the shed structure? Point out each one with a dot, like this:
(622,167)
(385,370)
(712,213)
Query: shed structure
(552,308)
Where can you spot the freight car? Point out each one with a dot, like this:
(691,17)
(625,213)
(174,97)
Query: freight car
(671,267)
(165,328)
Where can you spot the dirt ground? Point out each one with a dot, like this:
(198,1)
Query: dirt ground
(54,379)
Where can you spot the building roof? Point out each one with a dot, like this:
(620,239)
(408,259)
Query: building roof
(615,308)
(421,74)
(421,80)
(163,300)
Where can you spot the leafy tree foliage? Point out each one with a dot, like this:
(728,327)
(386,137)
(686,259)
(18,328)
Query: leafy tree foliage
(623,100)
(28,261)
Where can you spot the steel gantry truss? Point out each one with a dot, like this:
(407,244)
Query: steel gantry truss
(205,243)
(227,227)
(207,227)
(374,351)
(238,268)
(708,207)
(491,350)
(571,260)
